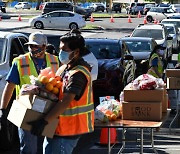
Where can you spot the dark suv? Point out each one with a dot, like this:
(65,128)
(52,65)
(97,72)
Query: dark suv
(116,66)
(54,6)
(116,7)
(3,7)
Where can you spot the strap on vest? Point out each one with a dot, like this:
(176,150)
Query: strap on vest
(24,64)
(53,62)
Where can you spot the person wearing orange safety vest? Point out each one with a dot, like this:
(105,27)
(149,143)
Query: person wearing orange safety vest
(75,109)
(156,63)
(23,66)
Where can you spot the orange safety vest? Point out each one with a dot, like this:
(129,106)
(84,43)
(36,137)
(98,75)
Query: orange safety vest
(78,118)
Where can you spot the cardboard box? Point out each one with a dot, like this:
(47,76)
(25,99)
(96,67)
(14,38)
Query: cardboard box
(165,103)
(143,95)
(145,111)
(173,83)
(20,115)
(36,103)
(173,73)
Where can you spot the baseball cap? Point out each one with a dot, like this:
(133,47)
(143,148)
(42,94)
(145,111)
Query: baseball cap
(37,38)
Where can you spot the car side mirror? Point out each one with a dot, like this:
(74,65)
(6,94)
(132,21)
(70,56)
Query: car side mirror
(128,57)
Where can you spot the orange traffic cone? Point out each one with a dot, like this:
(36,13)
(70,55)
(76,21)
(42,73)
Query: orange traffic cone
(139,14)
(92,19)
(0,18)
(144,21)
(104,136)
(19,18)
(112,19)
(129,19)
(155,21)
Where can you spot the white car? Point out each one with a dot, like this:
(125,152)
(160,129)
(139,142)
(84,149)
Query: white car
(174,33)
(11,45)
(58,19)
(22,5)
(172,21)
(159,13)
(97,7)
(159,33)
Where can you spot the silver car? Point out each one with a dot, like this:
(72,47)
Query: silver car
(11,45)
(174,33)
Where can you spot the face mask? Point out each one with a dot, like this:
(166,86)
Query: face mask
(161,52)
(34,52)
(64,57)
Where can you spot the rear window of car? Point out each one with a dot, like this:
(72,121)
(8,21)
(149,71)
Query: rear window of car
(137,46)
(152,33)
(49,5)
(104,50)
(170,30)
(173,22)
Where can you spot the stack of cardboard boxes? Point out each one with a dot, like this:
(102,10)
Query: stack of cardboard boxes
(28,108)
(173,78)
(146,105)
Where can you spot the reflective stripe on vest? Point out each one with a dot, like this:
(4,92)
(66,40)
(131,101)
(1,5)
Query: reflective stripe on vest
(24,62)
(54,62)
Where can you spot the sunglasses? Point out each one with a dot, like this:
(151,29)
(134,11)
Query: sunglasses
(34,46)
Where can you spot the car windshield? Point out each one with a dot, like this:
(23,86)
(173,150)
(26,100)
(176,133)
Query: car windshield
(138,46)
(2,48)
(170,30)
(152,33)
(104,50)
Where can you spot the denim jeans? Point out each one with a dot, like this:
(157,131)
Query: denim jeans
(28,142)
(59,145)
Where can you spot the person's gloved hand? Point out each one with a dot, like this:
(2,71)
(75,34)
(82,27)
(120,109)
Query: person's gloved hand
(38,126)
(3,118)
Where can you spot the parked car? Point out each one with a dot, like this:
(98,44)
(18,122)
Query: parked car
(135,8)
(147,7)
(141,49)
(3,7)
(174,33)
(58,19)
(66,6)
(116,66)
(22,5)
(159,13)
(159,33)
(11,45)
(116,7)
(175,7)
(97,7)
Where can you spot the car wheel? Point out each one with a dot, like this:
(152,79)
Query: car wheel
(149,18)
(38,25)
(73,26)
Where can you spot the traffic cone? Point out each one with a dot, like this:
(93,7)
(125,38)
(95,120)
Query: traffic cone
(144,21)
(158,22)
(19,18)
(0,18)
(129,19)
(139,14)
(92,19)
(112,19)
(155,21)
(104,136)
